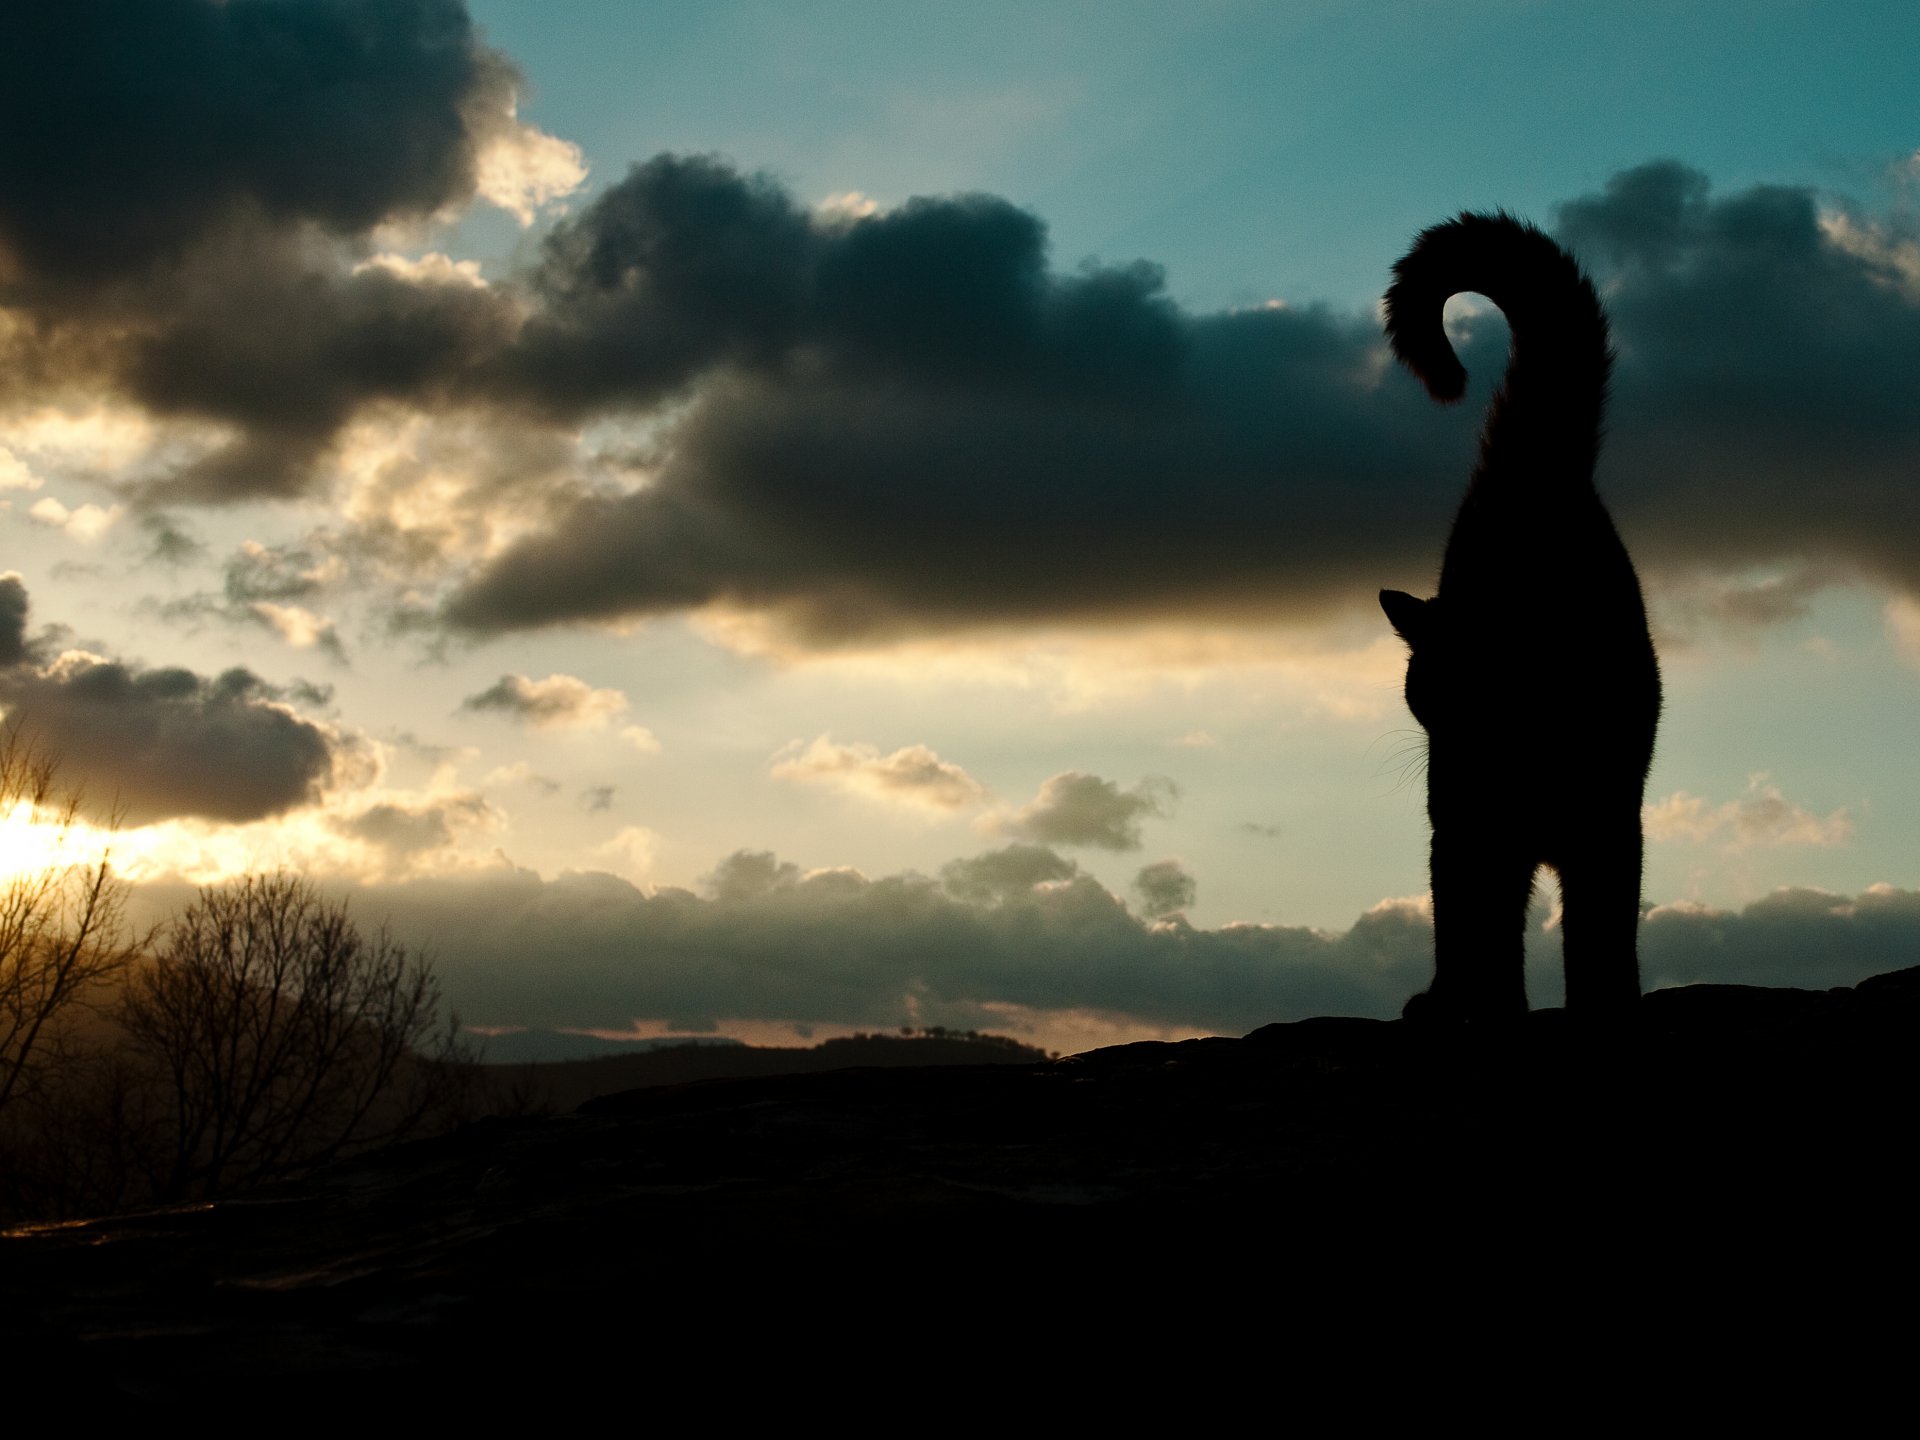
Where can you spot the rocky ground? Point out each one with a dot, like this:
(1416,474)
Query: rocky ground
(1206,1205)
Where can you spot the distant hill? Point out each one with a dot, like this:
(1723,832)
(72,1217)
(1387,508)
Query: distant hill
(539,1047)
(532,1086)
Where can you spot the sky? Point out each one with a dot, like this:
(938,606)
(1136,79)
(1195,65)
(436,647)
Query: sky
(782,519)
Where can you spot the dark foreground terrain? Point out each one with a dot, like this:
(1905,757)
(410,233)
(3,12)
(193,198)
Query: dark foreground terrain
(1142,1218)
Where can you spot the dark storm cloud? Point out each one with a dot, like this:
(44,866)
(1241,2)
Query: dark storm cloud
(682,266)
(949,433)
(132,129)
(768,942)
(864,427)
(165,168)
(1765,403)
(887,401)
(158,743)
(335,342)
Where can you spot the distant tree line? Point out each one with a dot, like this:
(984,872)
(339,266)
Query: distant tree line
(259,1033)
(942,1032)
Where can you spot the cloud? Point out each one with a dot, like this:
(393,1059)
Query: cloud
(521,773)
(857,425)
(1165,889)
(407,832)
(632,848)
(1902,616)
(912,775)
(260,583)
(341,341)
(160,743)
(524,170)
(953,387)
(1740,603)
(1078,809)
(172,542)
(87,523)
(167,742)
(596,798)
(14,474)
(1010,937)
(257,572)
(1762,411)
(299,627)
(559,702)
(1118,456)
(1796,936)
(769,941)
(1764,818)
(174,170)
(136,128)
(14,608)
(1005,874)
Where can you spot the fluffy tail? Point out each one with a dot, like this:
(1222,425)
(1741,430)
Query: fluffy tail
(1550,305)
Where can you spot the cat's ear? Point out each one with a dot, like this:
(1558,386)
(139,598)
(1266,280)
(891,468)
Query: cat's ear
(1407,614)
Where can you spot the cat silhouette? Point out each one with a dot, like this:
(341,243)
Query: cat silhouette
(1531,669)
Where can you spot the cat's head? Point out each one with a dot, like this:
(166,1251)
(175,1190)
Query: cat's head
(1422,625)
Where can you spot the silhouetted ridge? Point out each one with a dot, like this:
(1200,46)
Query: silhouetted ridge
(1559,329)
(1193,1209)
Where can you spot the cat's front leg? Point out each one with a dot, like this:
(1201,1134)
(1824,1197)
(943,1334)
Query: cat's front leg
(1481,890)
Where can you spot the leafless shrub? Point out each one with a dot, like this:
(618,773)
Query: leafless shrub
(273,1035)
(63,933)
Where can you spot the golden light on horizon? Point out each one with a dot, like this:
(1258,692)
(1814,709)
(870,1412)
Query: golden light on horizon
(30,842)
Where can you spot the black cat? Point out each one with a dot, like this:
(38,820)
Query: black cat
(1532,670)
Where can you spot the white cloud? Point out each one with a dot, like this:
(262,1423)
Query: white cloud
(298,626)
(85,524)
(847,206)
(633,848)
(14,474)
(641,739)
(912,775)
(1765,818)
(432,268)
(523,170)
(1892,259)
(520,773)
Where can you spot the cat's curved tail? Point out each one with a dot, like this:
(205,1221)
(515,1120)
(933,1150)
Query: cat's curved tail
(1550,305)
